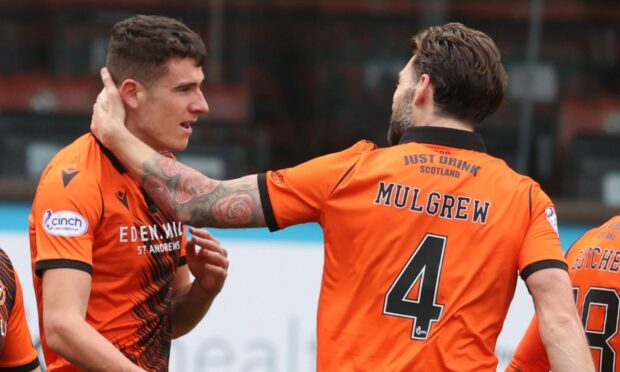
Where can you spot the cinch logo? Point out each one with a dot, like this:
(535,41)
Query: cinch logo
(64,223)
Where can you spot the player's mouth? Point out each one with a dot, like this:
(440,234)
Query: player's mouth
(187,126)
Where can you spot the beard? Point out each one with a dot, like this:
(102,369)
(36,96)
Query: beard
(401,119)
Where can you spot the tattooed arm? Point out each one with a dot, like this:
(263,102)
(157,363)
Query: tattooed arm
(187,194)
(195,199)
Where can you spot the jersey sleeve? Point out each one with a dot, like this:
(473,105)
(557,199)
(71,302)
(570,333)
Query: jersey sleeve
(66,212)
(296,195)
(530,355)
(18,351)
(541,247)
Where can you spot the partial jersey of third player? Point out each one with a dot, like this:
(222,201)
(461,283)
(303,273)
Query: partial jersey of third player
(594,264)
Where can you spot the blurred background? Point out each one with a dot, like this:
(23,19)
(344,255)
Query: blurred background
(287,80)
(292,79)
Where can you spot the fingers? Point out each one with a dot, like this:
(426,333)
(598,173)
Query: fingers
(98,106)
(209,264)
(210,246)
(212,258)
(202,233)
(216,270)
(210,251)
(213,280)
(205,240)
(207,259)
(109,91)
(106,78)
(108,110)
(214,273)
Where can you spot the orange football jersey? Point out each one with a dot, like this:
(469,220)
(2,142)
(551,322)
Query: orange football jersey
(424,242)
(16,350)
(89,214)
(594,264)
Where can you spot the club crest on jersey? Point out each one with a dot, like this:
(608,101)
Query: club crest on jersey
(552,218)
(64,223)
(277,178)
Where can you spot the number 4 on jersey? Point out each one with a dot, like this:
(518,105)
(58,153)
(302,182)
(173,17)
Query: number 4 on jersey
(423,269)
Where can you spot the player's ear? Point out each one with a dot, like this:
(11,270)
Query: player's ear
(423,90)
(129,91)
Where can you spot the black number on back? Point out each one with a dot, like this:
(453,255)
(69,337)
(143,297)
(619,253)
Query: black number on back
(424,267)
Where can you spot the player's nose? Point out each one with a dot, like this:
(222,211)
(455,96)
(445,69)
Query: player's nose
(200,105)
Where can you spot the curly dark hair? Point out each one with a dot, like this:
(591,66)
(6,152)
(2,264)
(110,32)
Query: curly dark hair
(140,47)
(465,68)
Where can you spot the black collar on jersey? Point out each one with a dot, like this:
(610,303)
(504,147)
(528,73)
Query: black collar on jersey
(115,162)
(444,136)
(121,169)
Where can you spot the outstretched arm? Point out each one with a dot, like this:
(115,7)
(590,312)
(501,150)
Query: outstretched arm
(187,194)
(192,197)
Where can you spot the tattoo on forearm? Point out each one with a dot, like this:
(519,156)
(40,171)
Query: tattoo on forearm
(200,201)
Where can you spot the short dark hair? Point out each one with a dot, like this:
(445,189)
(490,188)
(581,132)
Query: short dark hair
(140,47)
(465,69)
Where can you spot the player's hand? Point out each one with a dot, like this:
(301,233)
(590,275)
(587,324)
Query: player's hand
(108,117)
(207,261)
